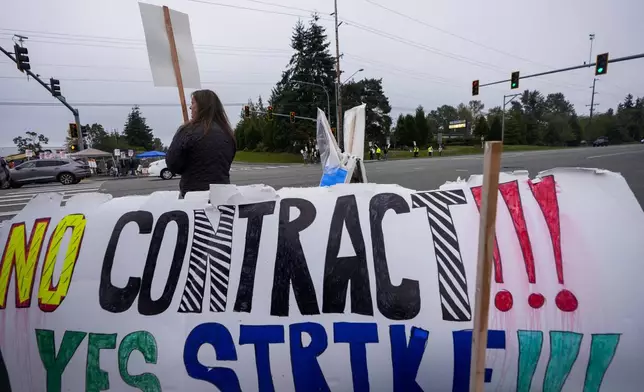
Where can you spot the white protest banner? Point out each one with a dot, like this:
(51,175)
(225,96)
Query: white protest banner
(117,152)
(156,38)
(353,287)
(130,153)
(29,153)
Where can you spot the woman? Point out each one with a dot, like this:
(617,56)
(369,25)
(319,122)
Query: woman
(203,149)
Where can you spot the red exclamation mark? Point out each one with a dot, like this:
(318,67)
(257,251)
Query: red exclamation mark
(503,300)
(510,194)
(545,192)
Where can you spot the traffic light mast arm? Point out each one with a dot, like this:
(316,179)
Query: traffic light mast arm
(285,115)
(58,97)
(45,85)
(633,57)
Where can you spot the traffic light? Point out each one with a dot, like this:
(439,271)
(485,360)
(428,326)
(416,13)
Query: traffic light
(72,146)
(292,117)
(475,87)
(84,130)
(55,87)
(514,80)
(601,65)
(22,60)
(246,111)
(269,113)
(73,131)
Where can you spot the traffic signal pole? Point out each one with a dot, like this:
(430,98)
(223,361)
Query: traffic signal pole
(633,57)
(503,113)
(59,97)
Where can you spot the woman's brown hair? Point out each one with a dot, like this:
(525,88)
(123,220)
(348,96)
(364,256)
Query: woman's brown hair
(210,110)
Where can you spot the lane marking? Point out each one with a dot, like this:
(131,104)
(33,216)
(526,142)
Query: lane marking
(461,170)
(614,154)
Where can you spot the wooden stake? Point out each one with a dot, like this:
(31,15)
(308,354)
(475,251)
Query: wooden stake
(491,168)
(175,62)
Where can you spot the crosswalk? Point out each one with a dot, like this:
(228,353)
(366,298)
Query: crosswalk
(14,200)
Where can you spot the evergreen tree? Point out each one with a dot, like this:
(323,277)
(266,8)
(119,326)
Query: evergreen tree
(410,130)
(136,131)
(575,128)
(482,130)
(496,130)
(422,126)
(513,128)
(311,63)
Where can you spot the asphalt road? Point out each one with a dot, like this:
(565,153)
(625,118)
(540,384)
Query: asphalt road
(420,173)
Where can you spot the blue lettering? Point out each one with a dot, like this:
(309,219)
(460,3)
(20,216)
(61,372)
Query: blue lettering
(463,356)
(261,336)
(220,339)
(357,335)
(307,374)
(406,358)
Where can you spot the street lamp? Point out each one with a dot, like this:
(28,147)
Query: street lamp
(352,75)
(328,100)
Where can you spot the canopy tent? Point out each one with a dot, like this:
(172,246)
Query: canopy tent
(90,153)
(151,154)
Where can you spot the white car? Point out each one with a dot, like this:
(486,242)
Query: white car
(159,169)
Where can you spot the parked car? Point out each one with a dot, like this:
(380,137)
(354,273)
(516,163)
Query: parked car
(160,169)
(601,141)
(65,171)
(642,141)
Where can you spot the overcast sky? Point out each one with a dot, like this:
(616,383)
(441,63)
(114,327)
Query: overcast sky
(97,50)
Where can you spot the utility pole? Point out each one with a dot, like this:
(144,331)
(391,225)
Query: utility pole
(592,102)
(590,56)
(48,88)
(338,85)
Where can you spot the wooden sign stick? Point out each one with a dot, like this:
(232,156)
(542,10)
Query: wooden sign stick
(175,62)
(491,168)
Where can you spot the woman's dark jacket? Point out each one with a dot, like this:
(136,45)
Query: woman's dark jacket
(201,158)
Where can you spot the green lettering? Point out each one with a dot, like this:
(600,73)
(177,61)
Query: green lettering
(96,379)
(144,342)
(55,363)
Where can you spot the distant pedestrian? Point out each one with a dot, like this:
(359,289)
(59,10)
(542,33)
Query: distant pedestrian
(385,151)
(203,149)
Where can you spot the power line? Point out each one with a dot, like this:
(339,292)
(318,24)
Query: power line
(246,8)
(137,81)
(103,104)
(453,34)
(142,48)
(285,6)
(114,67)
(128,41)
(424,47)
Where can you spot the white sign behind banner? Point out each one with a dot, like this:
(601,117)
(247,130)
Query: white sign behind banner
(156,38)
(354,287)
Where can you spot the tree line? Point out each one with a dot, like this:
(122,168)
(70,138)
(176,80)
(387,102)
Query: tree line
(136,135)
(533,119)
